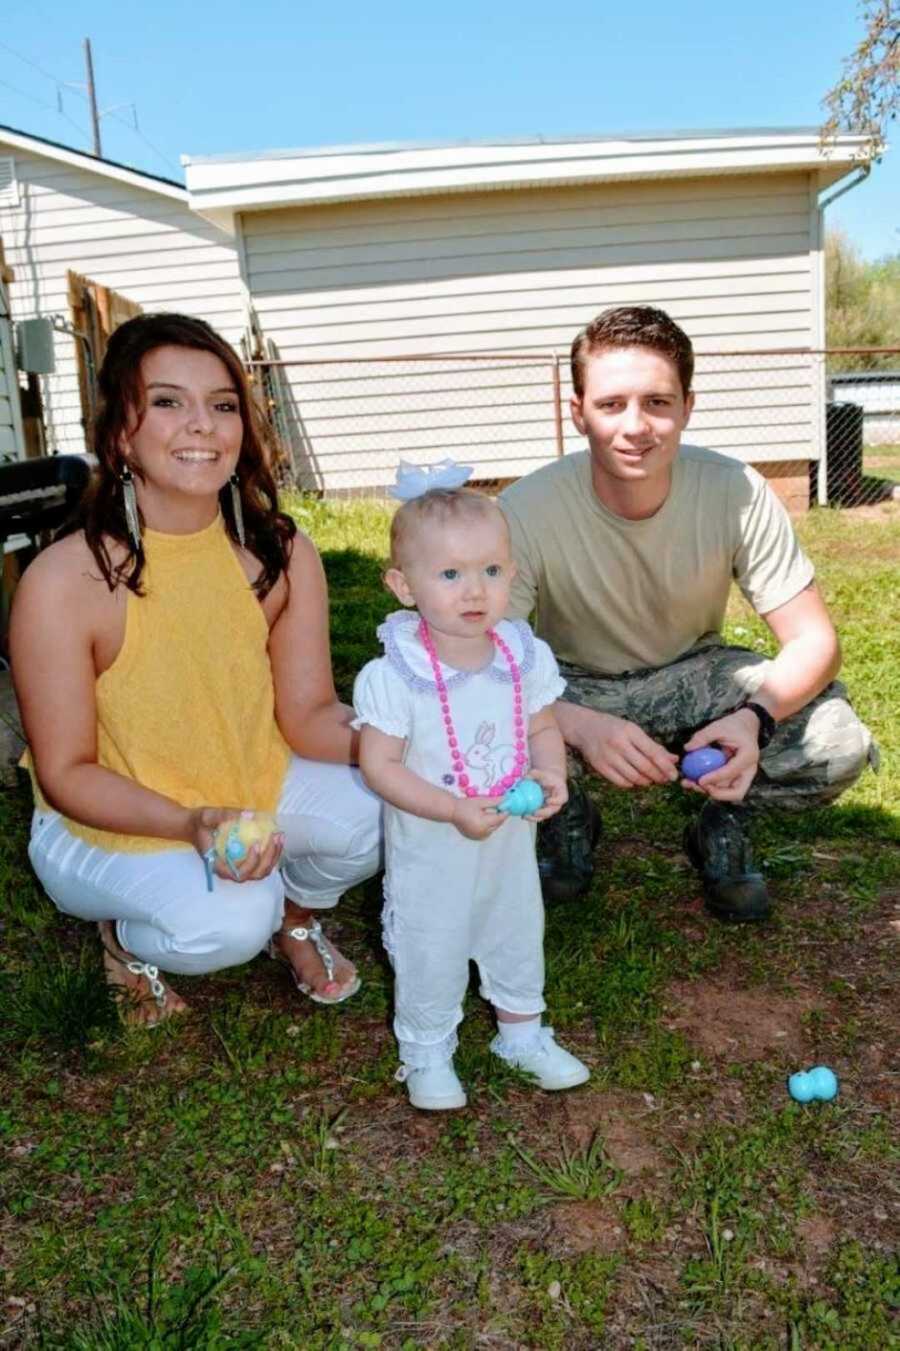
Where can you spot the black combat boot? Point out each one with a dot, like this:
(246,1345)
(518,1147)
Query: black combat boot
(565,848)
(719,848)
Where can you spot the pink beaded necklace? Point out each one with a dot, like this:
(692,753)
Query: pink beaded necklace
(456,756)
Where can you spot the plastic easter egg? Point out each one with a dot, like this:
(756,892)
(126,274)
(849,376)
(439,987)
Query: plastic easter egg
(233,839)
(818,1084)
(697,763)
(799,1087)
(523,798)
(235,849)
(824,1082)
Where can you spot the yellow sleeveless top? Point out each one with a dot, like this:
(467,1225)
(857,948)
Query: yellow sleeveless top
(188,706)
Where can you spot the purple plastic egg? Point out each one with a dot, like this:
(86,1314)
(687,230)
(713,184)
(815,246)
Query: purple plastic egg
(697,763)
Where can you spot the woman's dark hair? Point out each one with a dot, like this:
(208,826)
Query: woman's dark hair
(268,531)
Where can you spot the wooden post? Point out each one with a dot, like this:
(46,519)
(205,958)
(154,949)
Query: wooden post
(92,97)
(33,418)
(96,312)
(7,276)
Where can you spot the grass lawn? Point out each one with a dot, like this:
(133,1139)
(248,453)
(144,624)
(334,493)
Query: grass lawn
(253,1177)
(882,461)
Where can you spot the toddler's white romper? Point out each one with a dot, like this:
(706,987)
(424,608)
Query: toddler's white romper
(448,899)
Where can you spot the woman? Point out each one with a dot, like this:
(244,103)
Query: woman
(171,662)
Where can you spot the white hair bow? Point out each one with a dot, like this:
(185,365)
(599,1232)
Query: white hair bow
(413,479)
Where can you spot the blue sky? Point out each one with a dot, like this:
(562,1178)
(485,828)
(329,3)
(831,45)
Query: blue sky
(210,78)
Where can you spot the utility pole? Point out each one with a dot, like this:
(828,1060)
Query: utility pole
(92,97)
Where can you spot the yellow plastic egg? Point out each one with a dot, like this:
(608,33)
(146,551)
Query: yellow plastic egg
(233,839)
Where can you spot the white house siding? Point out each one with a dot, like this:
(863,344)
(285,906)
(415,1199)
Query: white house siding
(147,246)
(12,443)
(493,272)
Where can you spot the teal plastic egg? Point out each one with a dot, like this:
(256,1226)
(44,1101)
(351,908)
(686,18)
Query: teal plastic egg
(824,1082)
(799,1087)
(235,849)
(523,798)
(818,1084)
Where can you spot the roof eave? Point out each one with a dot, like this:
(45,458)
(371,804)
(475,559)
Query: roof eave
(81,159)
(312,180)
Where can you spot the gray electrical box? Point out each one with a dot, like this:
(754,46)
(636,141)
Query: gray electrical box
(34,341)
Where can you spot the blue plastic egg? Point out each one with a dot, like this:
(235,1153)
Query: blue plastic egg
(697,763)
(820,1083)
(824,1082)
(523,798)
(235,849)
(799,1087)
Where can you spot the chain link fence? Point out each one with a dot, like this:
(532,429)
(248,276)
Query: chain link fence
(864,407)
(344,423)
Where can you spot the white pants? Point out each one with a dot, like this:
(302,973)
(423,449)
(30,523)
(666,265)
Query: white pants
(448,901)
(163,911)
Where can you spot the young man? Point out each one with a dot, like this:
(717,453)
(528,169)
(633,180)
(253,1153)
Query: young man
(627,552)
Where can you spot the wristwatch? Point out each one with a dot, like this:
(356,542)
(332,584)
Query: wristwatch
(767,723)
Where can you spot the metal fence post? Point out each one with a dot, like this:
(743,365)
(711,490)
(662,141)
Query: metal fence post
(820,388)
(557,407)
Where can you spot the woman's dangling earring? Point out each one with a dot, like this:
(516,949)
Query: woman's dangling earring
(129,501)
(236,509)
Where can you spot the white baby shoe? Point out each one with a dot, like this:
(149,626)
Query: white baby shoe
(553,1067)
(434,1088)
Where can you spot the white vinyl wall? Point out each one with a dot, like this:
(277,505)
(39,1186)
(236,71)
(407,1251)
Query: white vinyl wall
(730,257)
(11,438)
(146,245)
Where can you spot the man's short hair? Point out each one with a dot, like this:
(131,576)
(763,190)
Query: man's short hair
(633,326)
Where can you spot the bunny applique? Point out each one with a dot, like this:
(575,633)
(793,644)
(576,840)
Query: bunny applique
(490,761)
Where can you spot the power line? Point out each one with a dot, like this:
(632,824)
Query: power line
(141,137)
(22,94)
(48,106)
(68,84)
(28,61)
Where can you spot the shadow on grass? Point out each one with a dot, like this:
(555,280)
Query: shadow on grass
(656,819)
(147,1310)
(59,998)
(358,603)
(839,821)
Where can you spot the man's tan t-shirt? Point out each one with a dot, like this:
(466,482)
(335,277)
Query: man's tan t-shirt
(614,595)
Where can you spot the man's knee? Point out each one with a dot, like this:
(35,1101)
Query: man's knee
(822,755)
(840,743)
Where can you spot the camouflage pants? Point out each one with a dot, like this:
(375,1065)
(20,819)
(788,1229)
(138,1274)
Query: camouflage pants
(813,757)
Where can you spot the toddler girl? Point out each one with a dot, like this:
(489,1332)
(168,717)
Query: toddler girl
(455,713)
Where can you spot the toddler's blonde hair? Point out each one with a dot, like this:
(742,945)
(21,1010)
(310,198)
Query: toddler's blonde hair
(439,505)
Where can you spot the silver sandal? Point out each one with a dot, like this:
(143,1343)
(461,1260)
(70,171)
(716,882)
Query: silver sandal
(313,933)
(149,973)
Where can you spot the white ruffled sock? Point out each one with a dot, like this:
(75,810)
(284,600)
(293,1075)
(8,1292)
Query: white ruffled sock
(416,1056)
(515,1035)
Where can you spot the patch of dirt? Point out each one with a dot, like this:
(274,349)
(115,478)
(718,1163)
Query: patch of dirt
(738,1024)
(615,1116)
(816,1233)
(585,1226)
(421,1130)
(815,1236)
